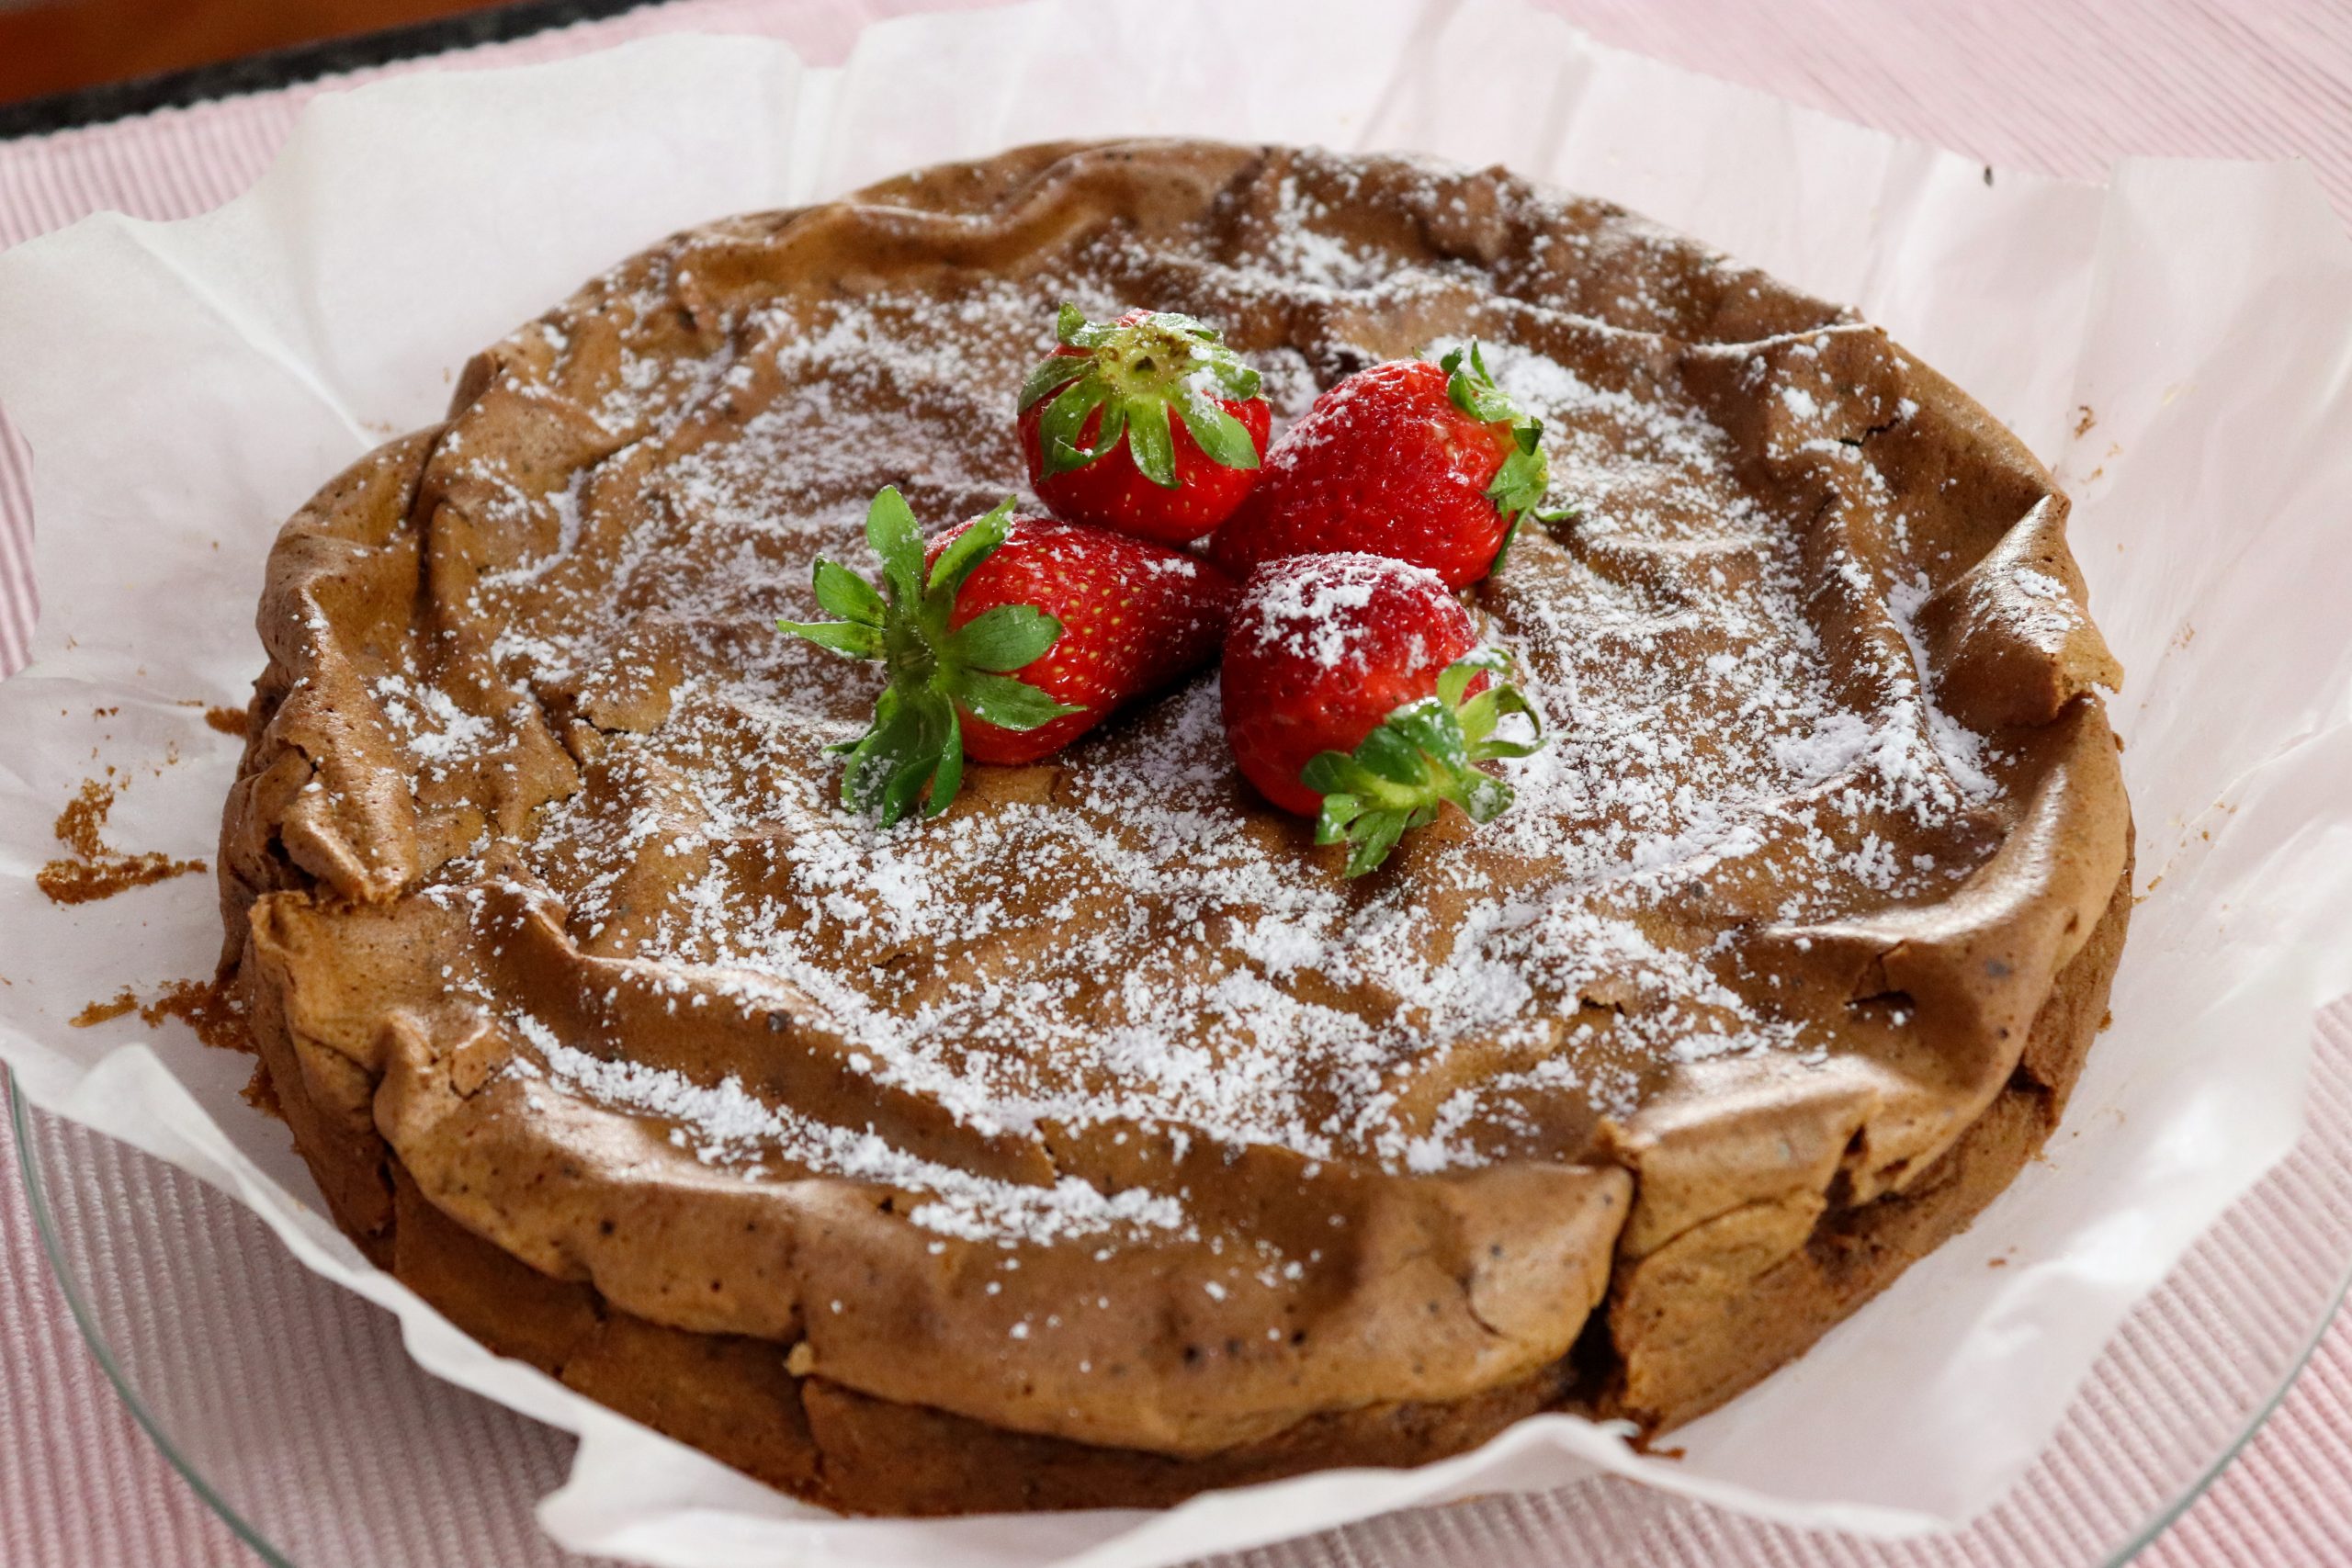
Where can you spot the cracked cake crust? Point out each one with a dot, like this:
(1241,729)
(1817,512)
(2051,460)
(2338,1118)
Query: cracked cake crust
(1654,1082)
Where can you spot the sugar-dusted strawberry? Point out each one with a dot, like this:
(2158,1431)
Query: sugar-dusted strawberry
(1431,464)
(1356,692)
(1149,425)
(1006,639)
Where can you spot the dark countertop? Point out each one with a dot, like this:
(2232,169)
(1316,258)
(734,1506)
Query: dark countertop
(305,62)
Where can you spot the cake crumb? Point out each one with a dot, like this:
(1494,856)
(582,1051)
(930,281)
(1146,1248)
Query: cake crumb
(91,869)
(105,1011)
(205,1006)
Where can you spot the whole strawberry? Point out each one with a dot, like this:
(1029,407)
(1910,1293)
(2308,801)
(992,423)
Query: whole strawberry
(1005,640)
(1149,425)
(1355,692)
(1431,464)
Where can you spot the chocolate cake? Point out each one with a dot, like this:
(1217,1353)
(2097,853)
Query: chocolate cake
(1097,1142)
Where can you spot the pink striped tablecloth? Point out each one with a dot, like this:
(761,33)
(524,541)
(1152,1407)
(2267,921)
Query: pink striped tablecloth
(2059,87)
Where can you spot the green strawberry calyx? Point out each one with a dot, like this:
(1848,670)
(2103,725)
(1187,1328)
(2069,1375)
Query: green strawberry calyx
(913,750)
(1140,374)
(1521,484)
(1420,756)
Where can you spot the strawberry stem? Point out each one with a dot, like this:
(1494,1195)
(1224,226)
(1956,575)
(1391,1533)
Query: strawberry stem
(1422,755)
(913,749)
(1521,482)
(1140,374)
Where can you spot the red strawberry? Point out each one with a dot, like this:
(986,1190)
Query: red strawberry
(1112,387)
(1007,639)
(1431,464)
(1355,692)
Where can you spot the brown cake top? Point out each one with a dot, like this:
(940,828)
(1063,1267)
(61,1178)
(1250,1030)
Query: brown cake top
(1103,1105)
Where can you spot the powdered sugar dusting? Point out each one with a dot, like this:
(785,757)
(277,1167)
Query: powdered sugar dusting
(1308,615)
(1123,942)
(726,1120)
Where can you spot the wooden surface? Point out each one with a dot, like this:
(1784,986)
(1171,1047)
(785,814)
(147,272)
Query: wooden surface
(59,45)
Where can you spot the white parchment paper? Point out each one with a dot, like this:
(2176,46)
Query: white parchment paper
(2176,344)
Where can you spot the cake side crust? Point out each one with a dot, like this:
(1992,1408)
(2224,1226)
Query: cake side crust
(1676,1352)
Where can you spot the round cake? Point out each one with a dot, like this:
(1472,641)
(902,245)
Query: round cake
(1097,1142)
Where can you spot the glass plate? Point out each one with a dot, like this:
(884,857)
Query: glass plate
(321,1442)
